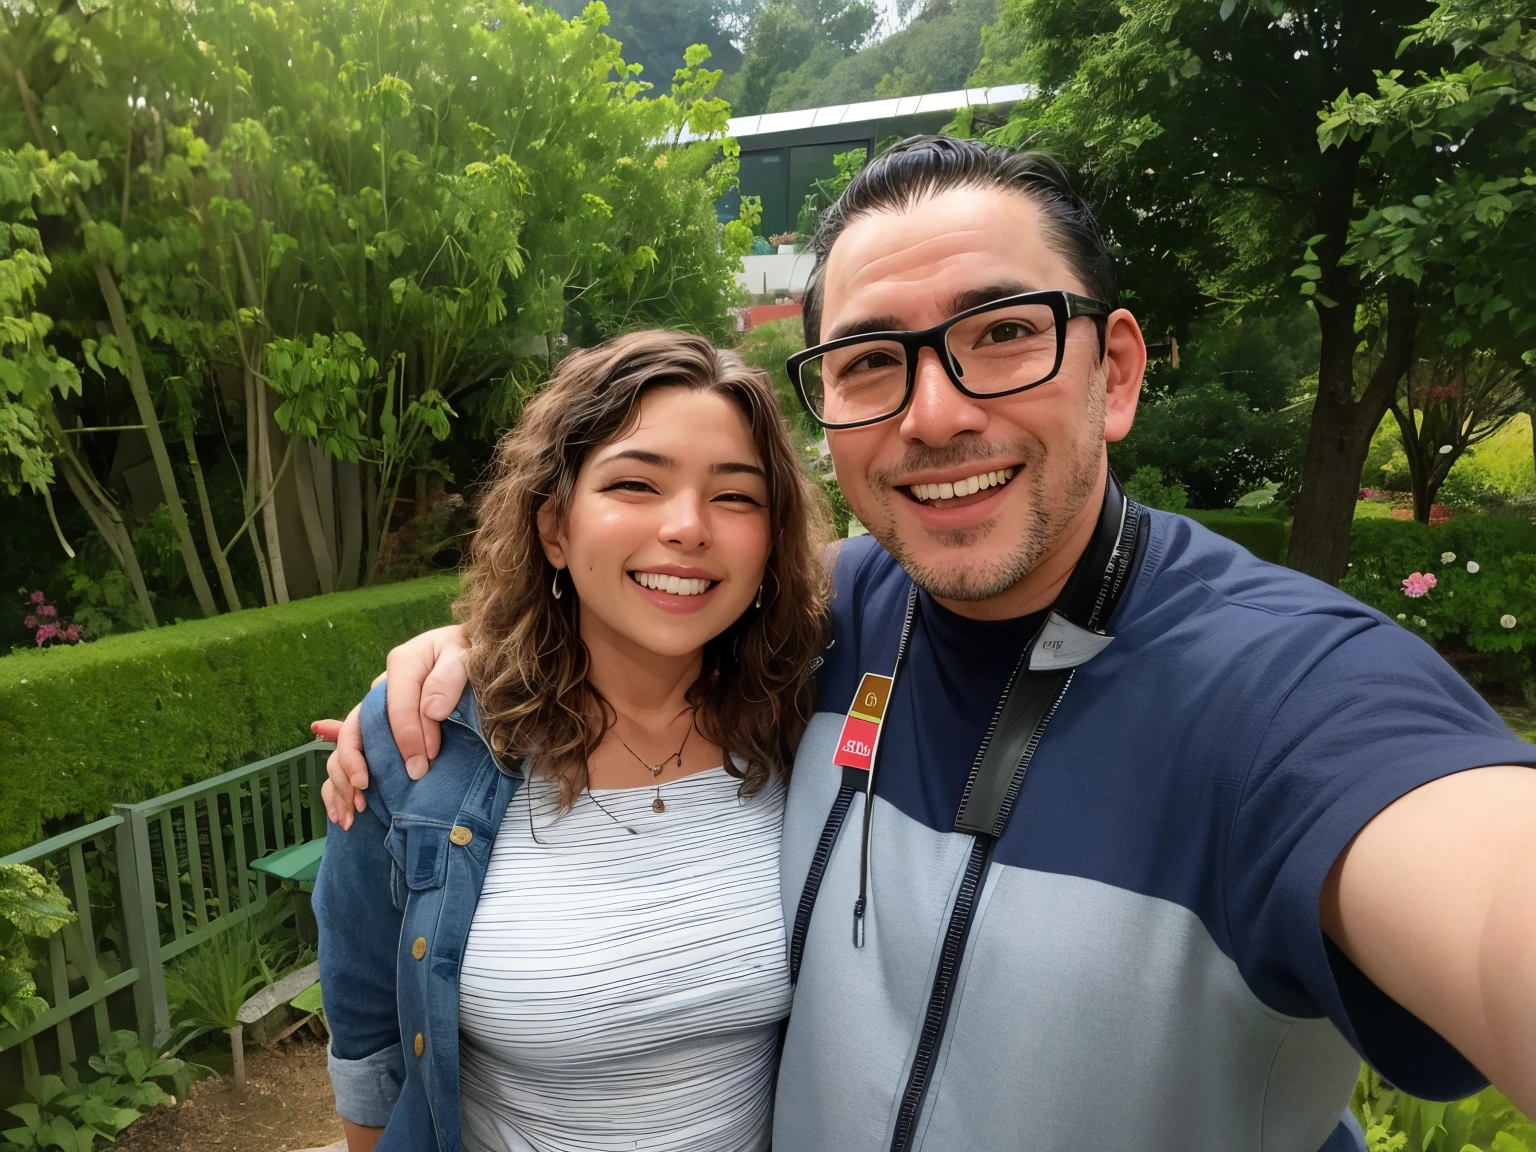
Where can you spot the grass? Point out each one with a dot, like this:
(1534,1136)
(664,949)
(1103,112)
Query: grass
(1521,720)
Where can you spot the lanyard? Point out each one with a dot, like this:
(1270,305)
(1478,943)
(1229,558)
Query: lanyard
(1071,635)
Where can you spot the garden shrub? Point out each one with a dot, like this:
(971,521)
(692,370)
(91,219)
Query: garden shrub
(1146,486)
(134,716)
(1483,594)
(1266,535)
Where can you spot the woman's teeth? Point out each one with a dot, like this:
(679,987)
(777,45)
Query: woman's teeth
(959,488)
(676,585)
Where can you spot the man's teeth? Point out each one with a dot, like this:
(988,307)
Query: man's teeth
(677,585)
(960,488)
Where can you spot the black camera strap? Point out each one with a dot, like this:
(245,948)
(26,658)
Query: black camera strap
(1072,633)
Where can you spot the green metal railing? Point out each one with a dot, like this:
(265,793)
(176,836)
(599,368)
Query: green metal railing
(151,881)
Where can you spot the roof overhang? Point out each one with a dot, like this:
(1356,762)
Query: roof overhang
(855,120)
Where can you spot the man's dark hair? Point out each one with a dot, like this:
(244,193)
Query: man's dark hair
(923,166)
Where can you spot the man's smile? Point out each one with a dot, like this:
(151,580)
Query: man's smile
(956,493)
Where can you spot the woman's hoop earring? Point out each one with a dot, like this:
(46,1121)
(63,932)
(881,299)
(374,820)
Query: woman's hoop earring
(554,587)
(759,603)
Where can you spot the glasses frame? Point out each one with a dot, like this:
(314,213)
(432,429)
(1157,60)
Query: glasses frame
(1064,305)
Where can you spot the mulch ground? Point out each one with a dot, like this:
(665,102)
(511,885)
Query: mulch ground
(287,1106)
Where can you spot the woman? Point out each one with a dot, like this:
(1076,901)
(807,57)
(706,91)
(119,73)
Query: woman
(573,936)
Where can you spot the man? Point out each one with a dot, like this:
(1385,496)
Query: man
(1161,836)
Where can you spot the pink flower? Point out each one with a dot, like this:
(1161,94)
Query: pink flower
(1418,584)
(47,610)
(30,621)
(72,633)
(46,633)
(37,597)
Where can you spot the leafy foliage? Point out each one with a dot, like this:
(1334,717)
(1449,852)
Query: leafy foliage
(1488,581)
(208,985)
(377,225)
(824,193)
(767,347)
(1471,225)
(1147,486)
(1396,1122)
(131,1080)
(656,33)
(310,1002)
(1194,127)
(1232,416)
(936,52)
(32,907)
(785,34)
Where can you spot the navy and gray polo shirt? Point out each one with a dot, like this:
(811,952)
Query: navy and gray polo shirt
(1145,968)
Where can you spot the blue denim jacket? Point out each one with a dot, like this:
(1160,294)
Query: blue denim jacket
(394,900)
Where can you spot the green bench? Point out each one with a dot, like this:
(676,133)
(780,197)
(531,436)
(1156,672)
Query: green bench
(297,864)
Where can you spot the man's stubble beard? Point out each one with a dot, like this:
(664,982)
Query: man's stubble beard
(1045,519)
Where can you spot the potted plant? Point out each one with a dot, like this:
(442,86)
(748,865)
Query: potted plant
(785,242)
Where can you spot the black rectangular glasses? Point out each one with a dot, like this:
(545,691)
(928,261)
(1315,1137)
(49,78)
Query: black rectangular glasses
(996,349)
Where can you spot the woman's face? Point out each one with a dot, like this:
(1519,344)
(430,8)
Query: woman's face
(668,531)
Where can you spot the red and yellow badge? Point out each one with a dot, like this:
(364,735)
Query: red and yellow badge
(861,730)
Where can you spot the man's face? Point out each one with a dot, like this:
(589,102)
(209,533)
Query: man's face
(911,270)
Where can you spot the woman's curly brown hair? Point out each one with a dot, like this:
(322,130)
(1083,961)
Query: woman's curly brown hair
(527,661)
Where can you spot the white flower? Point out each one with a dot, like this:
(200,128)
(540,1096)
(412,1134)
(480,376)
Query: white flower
(1402,615)
(1445,449)
(1508,621)
(1472,566)
(1421,622)
(1447,557)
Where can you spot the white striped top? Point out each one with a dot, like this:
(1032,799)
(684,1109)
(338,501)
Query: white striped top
(624,990)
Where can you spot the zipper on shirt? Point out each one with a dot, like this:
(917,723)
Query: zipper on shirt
(937,1014)
(956,935)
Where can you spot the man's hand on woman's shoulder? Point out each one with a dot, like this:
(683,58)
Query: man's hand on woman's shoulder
(425,678)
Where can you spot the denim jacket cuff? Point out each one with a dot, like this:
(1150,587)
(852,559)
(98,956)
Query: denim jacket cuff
(366,1089)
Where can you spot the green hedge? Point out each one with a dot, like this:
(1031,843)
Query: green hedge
(1266,536)
(130,717)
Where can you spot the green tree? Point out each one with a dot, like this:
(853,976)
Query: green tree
(1194,127)
(1472,222)
(1232,415)
(1447,405)
(656,33)
(787,33)
(342,232)
(936,52)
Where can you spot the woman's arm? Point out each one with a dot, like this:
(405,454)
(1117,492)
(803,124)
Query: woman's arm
(359,937)
(360,1139)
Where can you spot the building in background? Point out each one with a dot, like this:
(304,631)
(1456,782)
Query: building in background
(784,154)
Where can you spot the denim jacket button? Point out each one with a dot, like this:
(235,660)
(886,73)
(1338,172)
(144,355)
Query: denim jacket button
(419,948)
(461,835)
(420,1043)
